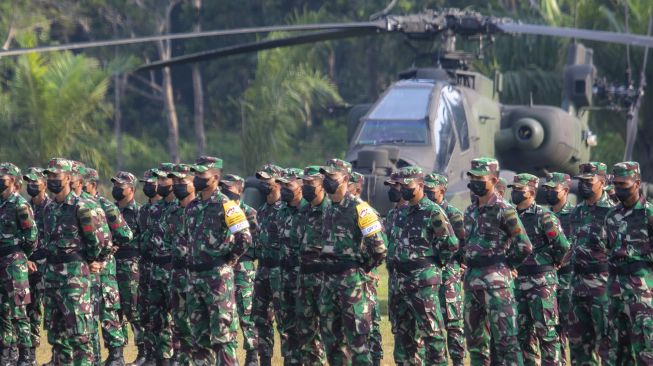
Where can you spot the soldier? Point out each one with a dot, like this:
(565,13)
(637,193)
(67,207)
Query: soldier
(267,292)
(496,243)
(184,190)
(629,226)
(535,286)
(209,222)
(159,248)
(354,244)
(451,289)
(19,235)
(610,190)
(309,233)
(36,188)
(589,256)
(502,184)
(232,186)
(426,243)
(556,191)
(74,237)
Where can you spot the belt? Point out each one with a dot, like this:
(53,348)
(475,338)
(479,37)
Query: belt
(127,253)
(310,268)
(336,268)
(482,262)
(162,260)
(65,258)
(39,255)
(406,267)
(245,258)
(269,262)
(592,268)
(10,250)
(625,269)
(207,266)
(533,269)
(565,270)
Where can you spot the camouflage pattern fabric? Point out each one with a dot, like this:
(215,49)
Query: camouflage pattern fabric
(36,286)
(375,337)
(143,214)
(244,273)
(564,286)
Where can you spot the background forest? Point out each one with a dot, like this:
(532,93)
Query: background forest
(289,104)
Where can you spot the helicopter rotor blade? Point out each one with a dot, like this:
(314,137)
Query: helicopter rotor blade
(259,46)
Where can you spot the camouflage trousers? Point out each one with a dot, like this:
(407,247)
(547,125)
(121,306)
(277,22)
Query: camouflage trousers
(181,335)
(109,307)
(244,276)
(266,307)
(145,269)
(393,299)
(631,327)
(158,302)
(288,316)
(346,318)
(128,273)
(375,339)
(15,294)
(68,313)
(564,307)
(491,316)
(35,307)
(213,317)
(537,316)
(451,306)
(588,327)
(308,319)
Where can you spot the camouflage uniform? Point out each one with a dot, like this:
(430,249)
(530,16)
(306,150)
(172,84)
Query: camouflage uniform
(18,239)
(589,258)
(74,236)
(496,242)
(309,234)
(426,241)
(631,301)
(218,234)
(564,273)
(267,282)
(354,244)
(535,286)
(36,286)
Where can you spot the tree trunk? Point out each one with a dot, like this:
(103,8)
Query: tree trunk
(171,111)
(117,118)
(198,92)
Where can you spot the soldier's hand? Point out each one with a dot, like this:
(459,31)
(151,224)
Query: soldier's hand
(95,267)
(515,274)
(31,267)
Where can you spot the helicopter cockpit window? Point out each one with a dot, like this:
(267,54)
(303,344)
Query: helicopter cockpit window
(445,138)
(374,132)
(404,104)
(454,102)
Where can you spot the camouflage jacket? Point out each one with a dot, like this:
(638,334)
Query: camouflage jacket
(17,225)
(394,220)
(121,233)
(309,231)
(38,211)
(629,237)
(457,221)
(209,224)
(265,247)
(564,217)
(425,234)
(161,230)
(493,230)
(74,225)
(130,214)
(353,232)
(589,247)
(251,215)
(150,212)
(175,237)
(549,247)
(107,246)
(285,226)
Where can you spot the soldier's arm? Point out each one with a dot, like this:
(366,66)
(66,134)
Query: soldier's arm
(92,232)
(457,221)
(649,227)
(28,229)
(238,225)
(120,231)
(520,244)
(556,237)
(375,250)
(446,242)
(253,223)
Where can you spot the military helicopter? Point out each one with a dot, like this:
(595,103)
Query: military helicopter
(439,117)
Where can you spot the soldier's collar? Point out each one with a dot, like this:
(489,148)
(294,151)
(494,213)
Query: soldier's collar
(530,209)
(492,201)
(70,198)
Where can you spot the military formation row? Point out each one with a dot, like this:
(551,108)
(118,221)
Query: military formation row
(512,283)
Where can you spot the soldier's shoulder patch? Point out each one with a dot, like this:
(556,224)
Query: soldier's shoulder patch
(234,216)
(368,220)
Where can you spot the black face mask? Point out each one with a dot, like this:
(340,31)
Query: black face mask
(394,195)
(308,192)
(163,191)
(407,193)
(33,189)
(287,195)
(180,191)
(264,188)
(118,193)
(431,195)
(477,187)
(585,190)
(551,197)
(623,194)
(330,185)
(517,197)
(200,183)
(231,195)
(149,189)
(55,186)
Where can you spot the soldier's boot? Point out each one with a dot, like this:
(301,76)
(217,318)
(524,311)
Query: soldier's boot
(141,357)
(163,362)
(251,358)
(266,360)
(115,358)
(26,357)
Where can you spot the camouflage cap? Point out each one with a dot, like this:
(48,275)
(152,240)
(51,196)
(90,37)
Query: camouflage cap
(626,169)
(335,166)
(393,179)
(290,174)
(592,169)
(79,169)
(163,170)
(357,177)
(524,180)
(269,171)
(232,179)
(311,172)
(179,171)
(149,176)
(553,179)
(10,169)
(91,175)
(484,166)
(433,180)
(409,174)
(58,165)
(33,174)
(204,163)
(502,183)
(124,178)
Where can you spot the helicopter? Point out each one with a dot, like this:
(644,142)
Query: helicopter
(439,117)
